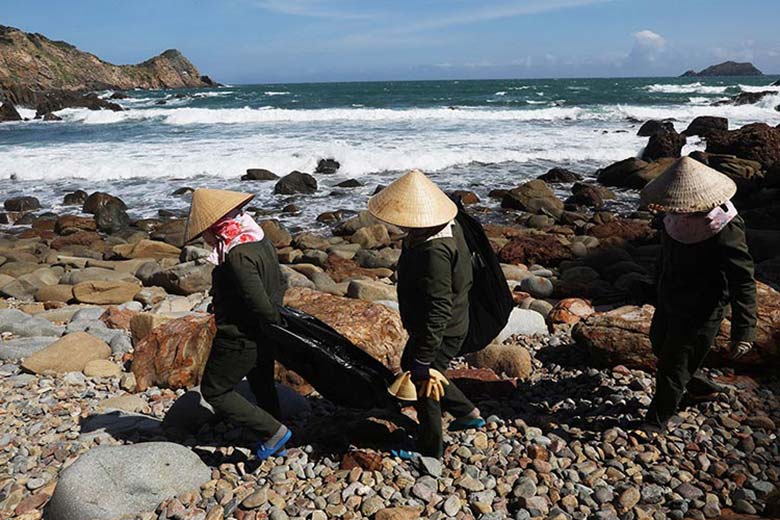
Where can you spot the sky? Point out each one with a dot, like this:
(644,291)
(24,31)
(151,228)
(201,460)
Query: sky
(277,41)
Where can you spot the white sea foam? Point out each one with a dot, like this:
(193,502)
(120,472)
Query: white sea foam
(759,88)
(276,93)
(686,88)
(500,93)
(220,93)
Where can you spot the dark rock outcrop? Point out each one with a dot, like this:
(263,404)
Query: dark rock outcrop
(664,144)
(259,174)
(327,166)
(727,68)
(534,197)
(99,199)
(632,172)
(652,127)
(559,175)
(8,112)
(748,175)
(758,142)
(55,100)
(296,182)
(704,125)
(22,204)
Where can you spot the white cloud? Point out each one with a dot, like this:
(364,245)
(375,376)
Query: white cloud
(648,46)
(339,10)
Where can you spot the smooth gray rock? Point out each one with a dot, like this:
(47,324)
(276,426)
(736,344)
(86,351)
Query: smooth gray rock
(88,314)
(108,482)
(20,348)
(25,326)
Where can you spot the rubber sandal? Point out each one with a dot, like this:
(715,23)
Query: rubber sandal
(466,424)
(264,452)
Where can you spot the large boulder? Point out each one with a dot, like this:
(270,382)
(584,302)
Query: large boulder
(296,182)
(174,354)
(704,125)
(327,166)
(8,113)
(757,142)
(26,286)
(111,218)
(373,327)
(109,482)
(184,279)
(653,127)
(22,204)
(147,249)
(534,197)
(104,292)
(625,228)
(98,200)
(621,336)
(560,175)
(522,322)
(569,311)
(70,353)
(546,250)
(747,174)
(259,174)
(663,144)
(632,172)
(276,233)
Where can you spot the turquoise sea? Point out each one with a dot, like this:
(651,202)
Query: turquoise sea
(475,135)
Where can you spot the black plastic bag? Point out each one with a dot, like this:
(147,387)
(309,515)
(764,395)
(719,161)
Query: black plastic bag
(490,300)
(340,371)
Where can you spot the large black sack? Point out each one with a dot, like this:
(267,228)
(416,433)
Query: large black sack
(490,301)
(340,371)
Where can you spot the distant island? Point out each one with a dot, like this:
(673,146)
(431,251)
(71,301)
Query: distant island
(727,68)
(31,64)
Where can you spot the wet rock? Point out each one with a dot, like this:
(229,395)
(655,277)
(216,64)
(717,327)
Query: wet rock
(665,144)
(99,200)
(372,327)
(296,182)
(76,198)
(22,204)
(560,175)
(704,125)
(141,476)
(586,195)
(174,354)
(534,197)
(757,142)
(748,175)
(466,197)
(259,174)
(8,112)
(632,172)
(111,218)
(349,183)
(71,353)
(653,127)
(327,166)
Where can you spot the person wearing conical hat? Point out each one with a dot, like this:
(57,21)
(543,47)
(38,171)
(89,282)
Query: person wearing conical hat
(705,266)
(434,279)
(247,287)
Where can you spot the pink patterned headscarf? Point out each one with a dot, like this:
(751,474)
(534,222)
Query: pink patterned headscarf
(692,228)
(232,230)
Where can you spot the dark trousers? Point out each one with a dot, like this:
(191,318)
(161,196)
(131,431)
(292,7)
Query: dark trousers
(429,411)
(681,346)
(229,362)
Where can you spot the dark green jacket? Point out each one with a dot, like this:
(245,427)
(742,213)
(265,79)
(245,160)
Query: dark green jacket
(697,281)
(434,279)
(246,290)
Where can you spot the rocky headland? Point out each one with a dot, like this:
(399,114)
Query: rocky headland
(727,68)
(50,75)
(105,332)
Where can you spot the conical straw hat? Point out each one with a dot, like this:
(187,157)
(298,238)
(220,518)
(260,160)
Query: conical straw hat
(413,201)
(689,186)
(208,206)
(403,388)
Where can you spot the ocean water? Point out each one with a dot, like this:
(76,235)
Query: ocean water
(476,135)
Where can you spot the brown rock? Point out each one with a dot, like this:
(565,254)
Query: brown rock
(621,336)
(627,229)
(481,382)
(99,200)
(68,223)
(147,249)
(371,237)
(546,250)
(372,327)
(100,292)
(367,460)
(55,293)
(467,197)
(512,360)
(70,353)
(663,144)
(757,142)
(80,238)
(116,318)
(143,323)
(174,354)
(398,513)
(102,368)
(632,172)
(534,197)
(342,269)
(570,311)
(276,233)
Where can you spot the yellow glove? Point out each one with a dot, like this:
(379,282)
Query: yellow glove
(433,387)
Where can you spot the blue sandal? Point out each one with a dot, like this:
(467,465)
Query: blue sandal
(404,454)
(466,423)
(264,452)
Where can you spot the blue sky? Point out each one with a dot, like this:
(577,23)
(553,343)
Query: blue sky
(253,41)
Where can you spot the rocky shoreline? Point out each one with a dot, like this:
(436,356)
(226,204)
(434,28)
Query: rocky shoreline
(104,333)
